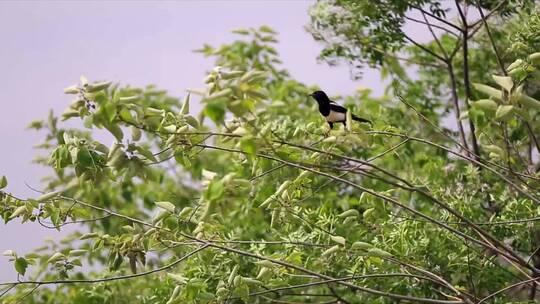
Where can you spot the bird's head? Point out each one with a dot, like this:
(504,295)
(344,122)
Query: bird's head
(320,96)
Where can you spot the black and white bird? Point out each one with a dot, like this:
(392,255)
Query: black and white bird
(332,111)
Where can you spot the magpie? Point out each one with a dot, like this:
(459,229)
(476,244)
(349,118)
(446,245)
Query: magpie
(332,111)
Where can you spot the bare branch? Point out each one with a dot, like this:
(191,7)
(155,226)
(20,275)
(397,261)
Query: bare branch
(432,25)
(466,81)
(437,18)
(497,56)
(507,288)
(493,11)
(425,49)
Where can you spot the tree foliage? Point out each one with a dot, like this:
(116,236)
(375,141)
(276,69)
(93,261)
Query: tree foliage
(253,200)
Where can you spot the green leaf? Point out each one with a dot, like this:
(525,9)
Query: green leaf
(368,212)
(252,281)
(535,57)
(230,74)
(515,64)
(348,213)
(72,90)
(220,94)
(529,102)
(338,239)
(486,104)
(76,262)
(361,245)
(192,121)
(125,115)
(348,120)
(56,257)
(174,294)
(128,99)
(160,215)
(168,206)
(84,80)
(3,182)
(215,190)
(99,86)
(492,92)
(330,139)
(378,253)
(146,153)
(283,187)
(240,131)
(36,124)
(84,158)
(503,111)
(48,196)
(178,278)
(170,129)
(116,262)
(90,235)
(232,275)
(149,111)
(215,110)
(20,265)
(267,29)
(264,273)
(248,145)
(20,210)
(253,75)
(135,134)
(330,250)
(69,113)
(77,252)
(9,252)
(185,106)
(116,131)
(241,31)
(498,151)
(266,263)
(504,81)
(207,174)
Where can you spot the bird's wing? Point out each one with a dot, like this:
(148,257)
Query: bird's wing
(337,108)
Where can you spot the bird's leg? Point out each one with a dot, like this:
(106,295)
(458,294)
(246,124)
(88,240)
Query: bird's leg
(331,125)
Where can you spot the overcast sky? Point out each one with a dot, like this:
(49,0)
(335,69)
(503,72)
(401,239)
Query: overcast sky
(46,45)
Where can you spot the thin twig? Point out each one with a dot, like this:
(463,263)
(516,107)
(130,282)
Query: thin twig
(507,288)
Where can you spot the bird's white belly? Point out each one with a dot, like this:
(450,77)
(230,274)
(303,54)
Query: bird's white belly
(335,116)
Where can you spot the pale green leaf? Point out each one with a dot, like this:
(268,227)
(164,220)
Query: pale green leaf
(20,265)
(56,257)
(338,239)
(504,81)
(503,111)
(3,182)
(168,206)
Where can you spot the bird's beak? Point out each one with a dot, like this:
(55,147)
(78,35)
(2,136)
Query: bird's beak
(310,94)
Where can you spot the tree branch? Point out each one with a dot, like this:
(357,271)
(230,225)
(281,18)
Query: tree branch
(466,80)
(124,277)
(437,18)
(507,288)
(491,13)
(432,25)
(355,277)
(425,49)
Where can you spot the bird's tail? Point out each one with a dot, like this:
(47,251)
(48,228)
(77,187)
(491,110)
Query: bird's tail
(360,119)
